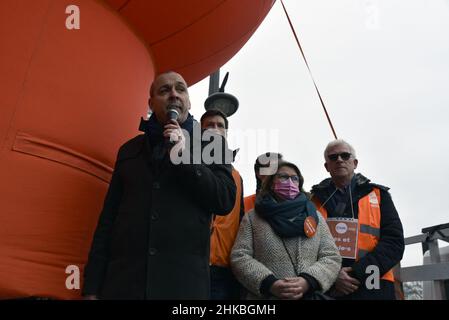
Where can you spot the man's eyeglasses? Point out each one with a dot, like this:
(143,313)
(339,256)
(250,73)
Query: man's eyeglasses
(284,177)
(344,156)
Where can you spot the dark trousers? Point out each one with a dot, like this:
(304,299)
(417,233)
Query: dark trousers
(224,286)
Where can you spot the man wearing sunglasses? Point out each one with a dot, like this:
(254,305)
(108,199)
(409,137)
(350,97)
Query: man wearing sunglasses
(365,225)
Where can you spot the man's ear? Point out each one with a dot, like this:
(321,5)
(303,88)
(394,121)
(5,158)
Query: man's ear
(356,162)
(149,103)
(325,165)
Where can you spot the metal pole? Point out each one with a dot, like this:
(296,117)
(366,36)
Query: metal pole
(214,82)
(438,285)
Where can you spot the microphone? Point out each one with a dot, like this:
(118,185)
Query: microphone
(172,114)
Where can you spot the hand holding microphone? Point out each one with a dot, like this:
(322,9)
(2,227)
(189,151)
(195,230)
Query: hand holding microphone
(172,130)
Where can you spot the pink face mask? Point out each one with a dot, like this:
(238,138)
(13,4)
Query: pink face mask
(286,189)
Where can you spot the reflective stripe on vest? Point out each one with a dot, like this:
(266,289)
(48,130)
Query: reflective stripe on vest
(370,230)
(224,229)
(369,225)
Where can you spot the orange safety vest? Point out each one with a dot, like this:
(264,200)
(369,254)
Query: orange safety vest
(250,202)
(369,225)
(224,229)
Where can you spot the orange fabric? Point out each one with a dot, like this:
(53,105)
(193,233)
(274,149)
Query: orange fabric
(209,33)
(250,202)
(70,98)
(225,228)
(369,214)
(370,206)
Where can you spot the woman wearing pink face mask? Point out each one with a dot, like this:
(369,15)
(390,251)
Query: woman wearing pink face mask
(284,249)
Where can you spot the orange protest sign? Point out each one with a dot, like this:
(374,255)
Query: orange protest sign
(345,233)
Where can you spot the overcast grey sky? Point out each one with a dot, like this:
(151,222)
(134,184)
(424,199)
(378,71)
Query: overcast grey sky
(382,67)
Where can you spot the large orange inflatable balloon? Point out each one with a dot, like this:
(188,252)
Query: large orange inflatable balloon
(74,84)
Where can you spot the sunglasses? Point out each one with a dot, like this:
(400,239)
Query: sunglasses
(344,156)
(284,177)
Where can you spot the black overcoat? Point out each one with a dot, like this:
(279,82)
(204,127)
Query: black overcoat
(152,238)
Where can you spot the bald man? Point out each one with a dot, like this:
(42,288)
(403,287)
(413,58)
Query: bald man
(152,237)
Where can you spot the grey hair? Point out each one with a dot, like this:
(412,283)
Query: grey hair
(336,143)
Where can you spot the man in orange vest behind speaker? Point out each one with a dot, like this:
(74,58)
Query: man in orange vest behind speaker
(224,229)
(365,225)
